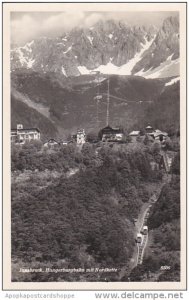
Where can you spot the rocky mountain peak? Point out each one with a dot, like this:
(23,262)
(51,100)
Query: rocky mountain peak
(110,43)
(171,25)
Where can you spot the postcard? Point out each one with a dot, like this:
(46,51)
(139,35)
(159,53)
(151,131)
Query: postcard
(94,146)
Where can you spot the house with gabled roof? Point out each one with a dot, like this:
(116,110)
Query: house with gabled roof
(51,143)
(20,135)
(160,135)
(110,134)
(134,135)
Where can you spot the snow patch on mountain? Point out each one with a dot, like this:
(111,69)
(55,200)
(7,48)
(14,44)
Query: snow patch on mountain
(64,71)
(90,39)
(30,43)
(30,63)
(21,56)
(162,70)
(168,67)
(69,48)
(25,61)
(27,47)
(125,69)
(83,70)
(172,81)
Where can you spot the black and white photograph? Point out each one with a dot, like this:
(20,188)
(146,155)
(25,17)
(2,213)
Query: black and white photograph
(95,142)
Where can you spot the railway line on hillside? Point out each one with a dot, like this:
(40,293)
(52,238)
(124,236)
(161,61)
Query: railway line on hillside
(142,243)
(142,238)
(138,254)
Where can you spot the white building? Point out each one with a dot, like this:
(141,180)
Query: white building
(20,135)
(51,143)
(134,134)
(81,137)
(160,135)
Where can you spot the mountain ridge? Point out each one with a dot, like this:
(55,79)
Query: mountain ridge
(71,104)
(109,47)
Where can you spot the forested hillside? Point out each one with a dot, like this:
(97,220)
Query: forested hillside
(81,220)
(164,112)
(70,103)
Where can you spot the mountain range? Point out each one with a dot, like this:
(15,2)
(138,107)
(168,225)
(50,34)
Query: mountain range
(110,47)
(54,81)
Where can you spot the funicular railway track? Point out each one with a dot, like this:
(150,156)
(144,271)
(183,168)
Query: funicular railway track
(142,237)
(137,258)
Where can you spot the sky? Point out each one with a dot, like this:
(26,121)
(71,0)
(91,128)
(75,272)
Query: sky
(26,26)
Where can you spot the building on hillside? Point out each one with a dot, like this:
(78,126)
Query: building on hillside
(20,135)
(74,137)
(149,130)
(81,137)
(154,165)
(51,143)
(170,157)
(14,137)
(153,198)
(65,143)
(160,135)
(110,134)
(134,135)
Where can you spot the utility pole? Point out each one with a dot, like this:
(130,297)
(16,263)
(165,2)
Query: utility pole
(108,103)
(97,101)
(98,97)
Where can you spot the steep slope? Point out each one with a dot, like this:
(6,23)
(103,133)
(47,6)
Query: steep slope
(21,113)
(164,112)
(71,103)
(164,52)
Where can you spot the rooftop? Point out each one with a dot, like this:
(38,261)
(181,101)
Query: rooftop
(134,132)
(26,129)
(158,132)
(111,130)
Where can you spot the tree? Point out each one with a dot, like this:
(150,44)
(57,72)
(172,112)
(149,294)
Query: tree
(175,168)
(92,137)
(146,140)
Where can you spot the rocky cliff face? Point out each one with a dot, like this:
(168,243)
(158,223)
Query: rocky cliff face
(109,47)
(164,48)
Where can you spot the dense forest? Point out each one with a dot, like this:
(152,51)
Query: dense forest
(75,208)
